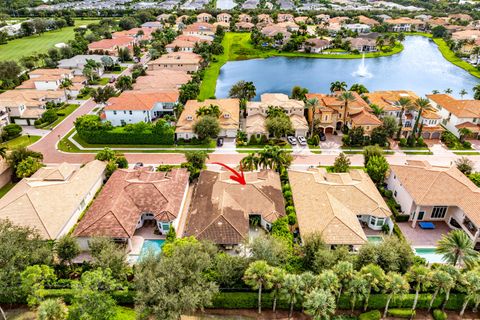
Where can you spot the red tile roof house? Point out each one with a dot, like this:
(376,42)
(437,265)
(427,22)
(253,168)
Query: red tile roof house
(132,200)
(137,106)
(111,46)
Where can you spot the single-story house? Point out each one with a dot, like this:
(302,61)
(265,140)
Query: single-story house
(53,199)
(111,46)
(78,62)
(363,44)
(316,45)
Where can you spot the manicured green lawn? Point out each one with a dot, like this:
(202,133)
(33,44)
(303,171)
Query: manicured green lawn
(117,71)
(6,188)
(17,48)
(237,46)
(123,313)
(67,111)
(450,56)
(20,142)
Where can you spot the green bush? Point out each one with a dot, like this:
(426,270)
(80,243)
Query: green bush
(371,315)
(11,131)
(439,315)
(401,313)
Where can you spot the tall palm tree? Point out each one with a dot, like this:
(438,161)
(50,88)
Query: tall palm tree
(448,91)
(395,284)
(65,85)
(250,162)
(258,276)
(311,105)
(440,280)
(422,104)
(356,289)
(338,86)
(470,285)
(435,91)
(419,276)
(457,248)
(376,110)
(278,277)
(346,97)
(455,274)
(463,92)
(320,304)
(404,103)
(292,290)
(464,132)
(476,92)
(328,280)
(344,271)
(375,277)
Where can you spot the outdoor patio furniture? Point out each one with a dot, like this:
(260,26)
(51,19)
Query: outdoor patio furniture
(426,225)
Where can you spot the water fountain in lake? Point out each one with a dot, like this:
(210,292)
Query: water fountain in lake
(362,70)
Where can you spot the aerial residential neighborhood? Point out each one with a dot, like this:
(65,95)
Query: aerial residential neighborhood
(194,159)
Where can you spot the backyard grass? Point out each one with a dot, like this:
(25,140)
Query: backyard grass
(15,49)
(117,71)
(20,142)
(123,313)
(67,111)
(467,153)
(450,56)
(6,188)
(237,46)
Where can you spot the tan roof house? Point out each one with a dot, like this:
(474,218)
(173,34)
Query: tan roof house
(363,44)
(46,79)
(53,199)
(244,25)
(220,208)
(224,17)
(229,118)
(132,199)
(257,114)
(182,61)
(405,24)
(368,21)
(244,18)
(161,80)
(436,194)
(342,207)
(200,29)
(204,17)
(285,17)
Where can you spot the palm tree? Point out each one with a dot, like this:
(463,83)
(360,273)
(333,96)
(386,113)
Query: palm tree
(309,282)
(464,132)
(476,92)
(258,276)
(65,85)
(435,92)
(320,304)
(457,248)
(422,104)
(470,285)
(298,93)
(274,157)
(3,152)
(338,86)
(375,277)
(448,91)
(476,53)
(311,104)
(344,271)
(346,97)
(404,103)
(419,276)
(278,277)
(455,274)
(292,290)
(328,280)
(395,284)
(250,162)
(356,289)
(440,280)
(376,110)
(463,92)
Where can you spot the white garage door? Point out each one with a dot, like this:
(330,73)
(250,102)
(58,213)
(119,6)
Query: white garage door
(231,133)
(22,122)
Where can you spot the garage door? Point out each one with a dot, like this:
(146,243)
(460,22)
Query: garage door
(231,133)
(426,135)
(436,135)
(22,122)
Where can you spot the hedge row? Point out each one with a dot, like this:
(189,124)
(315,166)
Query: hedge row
(248,300)
(121,137)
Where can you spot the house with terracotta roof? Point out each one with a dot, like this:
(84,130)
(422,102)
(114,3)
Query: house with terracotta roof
(220,209)
(46,79)
(368,21)
(363,44)
(244,18)
(134,199)
(163,80)
(456,114)
(405,24)
(27,105)
(330,112)
(258,112)
(224,17)
(200,29)
(111,46)
(139,106)
(229,118)
(343,207)
(285,17)
(185,43)
(204,17)
(247,26)
(53,198)
(143,33)
(182,61)
(436,194)
(264,19)
(316,45)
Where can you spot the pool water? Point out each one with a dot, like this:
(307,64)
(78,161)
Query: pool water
(429,255)
(154,246)
(374,239)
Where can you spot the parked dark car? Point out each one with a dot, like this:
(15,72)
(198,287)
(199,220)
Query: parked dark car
(219,142)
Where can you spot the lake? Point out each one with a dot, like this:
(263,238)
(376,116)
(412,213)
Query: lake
(420,67)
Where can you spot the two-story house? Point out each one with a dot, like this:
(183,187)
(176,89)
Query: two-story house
(137,106)
(405,24)
(183,61)
(457,114)
(204,17)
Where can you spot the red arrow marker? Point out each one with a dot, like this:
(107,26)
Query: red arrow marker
(239,177)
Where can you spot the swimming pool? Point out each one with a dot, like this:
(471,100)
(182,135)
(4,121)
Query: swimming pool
(374,239)
(154,246)
(429,255)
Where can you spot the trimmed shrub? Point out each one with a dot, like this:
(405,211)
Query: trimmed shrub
(371,315)
(439,315)
(401,313)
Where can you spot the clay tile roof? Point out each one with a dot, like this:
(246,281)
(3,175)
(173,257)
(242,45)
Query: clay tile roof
(388,100)
(127,195)
(162,80)
(437,186)
(329,203)
(110,43)
(368,21)
(474,127)
(137,100)
(220,208)
(365,118)
(50,72)
(460,108)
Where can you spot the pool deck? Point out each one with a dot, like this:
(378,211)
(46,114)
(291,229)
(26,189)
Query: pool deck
(418,237)
(142,234)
